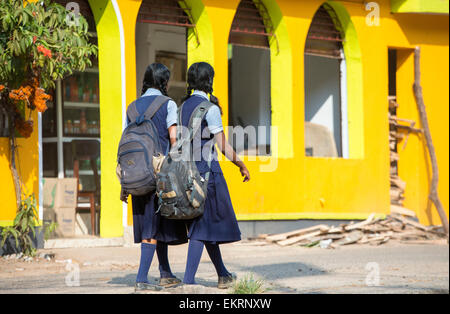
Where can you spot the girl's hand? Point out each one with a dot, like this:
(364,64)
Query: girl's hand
(245,173)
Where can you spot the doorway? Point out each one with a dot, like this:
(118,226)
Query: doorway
(161,36)
(70,126)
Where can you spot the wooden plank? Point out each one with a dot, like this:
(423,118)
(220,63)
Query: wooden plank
(284,236)
(376,238)
(398,182)
(379,242)
(375,228)
(396,194)
(366,222)
(402,211)
(409,234)
(297,239)
(411,223)
(331,236)
(350,238)
(336,230)
(394,156)
(408,128)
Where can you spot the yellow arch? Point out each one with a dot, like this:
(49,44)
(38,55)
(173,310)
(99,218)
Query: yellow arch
(355,100)
(281,86)
(203,50)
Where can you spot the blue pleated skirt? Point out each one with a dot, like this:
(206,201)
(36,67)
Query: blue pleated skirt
(149,225)
(218,224)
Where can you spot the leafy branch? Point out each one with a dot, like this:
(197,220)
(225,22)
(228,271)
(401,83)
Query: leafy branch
(38,45)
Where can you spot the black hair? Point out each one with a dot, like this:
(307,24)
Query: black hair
(156,76)
(201,77)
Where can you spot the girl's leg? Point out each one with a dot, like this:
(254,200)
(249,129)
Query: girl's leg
(216,257)
(163,258)
(193,260)
(148,248)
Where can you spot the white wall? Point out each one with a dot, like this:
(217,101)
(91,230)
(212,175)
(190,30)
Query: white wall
(323,95)
(251,97)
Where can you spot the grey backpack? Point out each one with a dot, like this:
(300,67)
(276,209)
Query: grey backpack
(137,147)
(180,188)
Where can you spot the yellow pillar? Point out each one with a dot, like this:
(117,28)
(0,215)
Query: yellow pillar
(111,76)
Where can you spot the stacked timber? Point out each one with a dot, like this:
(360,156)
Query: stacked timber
(397,191)
(399,130)
(401,225)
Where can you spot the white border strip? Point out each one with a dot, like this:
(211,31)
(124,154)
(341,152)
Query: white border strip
(124,90)
(344,109)
(41,169)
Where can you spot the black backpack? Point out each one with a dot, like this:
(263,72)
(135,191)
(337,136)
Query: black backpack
(180,188)
(137,147)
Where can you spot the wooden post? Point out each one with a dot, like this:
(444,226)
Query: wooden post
(433,196)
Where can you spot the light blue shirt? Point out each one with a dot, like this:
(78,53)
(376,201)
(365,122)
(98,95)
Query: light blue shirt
(213,117)
(172,117)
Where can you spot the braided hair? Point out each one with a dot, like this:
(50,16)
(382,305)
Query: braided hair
(156,76)
(201,77)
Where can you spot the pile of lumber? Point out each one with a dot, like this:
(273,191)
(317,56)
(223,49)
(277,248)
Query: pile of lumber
(401,225)
(399,130)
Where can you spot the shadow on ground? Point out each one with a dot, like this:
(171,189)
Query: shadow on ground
(130,279)
(283,270)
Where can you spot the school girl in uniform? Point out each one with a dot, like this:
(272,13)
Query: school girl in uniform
(218,224)
(150,229)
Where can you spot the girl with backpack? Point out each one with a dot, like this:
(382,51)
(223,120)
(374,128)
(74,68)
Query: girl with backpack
(218,223)
(150,229)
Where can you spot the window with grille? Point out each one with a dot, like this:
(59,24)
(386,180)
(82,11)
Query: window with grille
(326,123)
(250,27)
(249,73)
(166,12)
(324,36)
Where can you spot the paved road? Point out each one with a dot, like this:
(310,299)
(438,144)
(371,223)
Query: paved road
(391,268)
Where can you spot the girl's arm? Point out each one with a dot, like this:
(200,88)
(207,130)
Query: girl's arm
(171,120)
(229,152)
(173,134)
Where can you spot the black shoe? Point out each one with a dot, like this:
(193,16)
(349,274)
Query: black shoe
(169,282)
(227,281)
(144,286)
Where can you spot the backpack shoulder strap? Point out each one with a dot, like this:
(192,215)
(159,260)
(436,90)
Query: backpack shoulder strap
(155,105)
(133,114)
(195,124)
(197,116)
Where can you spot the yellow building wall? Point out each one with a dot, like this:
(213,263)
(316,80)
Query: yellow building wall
(317,188)
(28,167)
(414,165)
(301,187)
(304,187)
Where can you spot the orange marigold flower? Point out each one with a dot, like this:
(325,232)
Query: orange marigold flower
(23,93)
(40,100)
(2,87)
(45,51)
